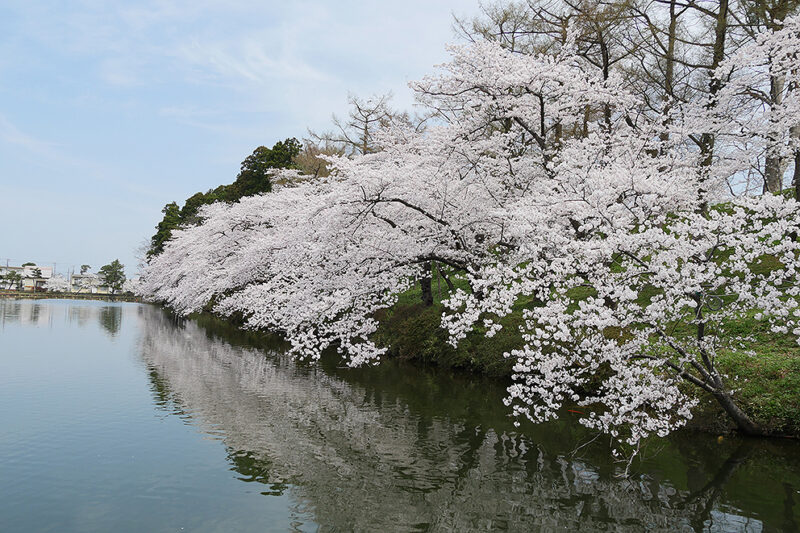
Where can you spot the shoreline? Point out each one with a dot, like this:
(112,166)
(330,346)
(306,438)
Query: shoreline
(25,295)
(409,334)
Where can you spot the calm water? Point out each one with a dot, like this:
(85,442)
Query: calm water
(116,417)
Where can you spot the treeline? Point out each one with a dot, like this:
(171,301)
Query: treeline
(351,135)
(253,178)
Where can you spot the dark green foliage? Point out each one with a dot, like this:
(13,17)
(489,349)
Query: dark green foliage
(253,178)
(171,220)
(412,331)
(113,275)
(12,280)
(189,210)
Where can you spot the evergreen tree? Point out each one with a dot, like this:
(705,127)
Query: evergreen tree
(113,275)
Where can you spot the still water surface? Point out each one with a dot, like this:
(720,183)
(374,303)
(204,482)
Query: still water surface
(117,417)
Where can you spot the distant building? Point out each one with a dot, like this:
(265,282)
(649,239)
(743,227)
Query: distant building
(30,281)
(88,284)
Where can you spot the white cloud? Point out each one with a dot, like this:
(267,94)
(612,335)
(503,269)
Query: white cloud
(10,134)
(250,59)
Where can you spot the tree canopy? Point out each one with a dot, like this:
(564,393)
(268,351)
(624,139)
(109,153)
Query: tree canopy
(113,275)
(253,178)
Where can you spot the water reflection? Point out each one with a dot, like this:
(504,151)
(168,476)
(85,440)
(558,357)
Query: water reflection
(29,313)
(81,314)
(44,312)
(110,319)
(397,448)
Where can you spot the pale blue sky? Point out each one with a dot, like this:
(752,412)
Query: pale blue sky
(109,110)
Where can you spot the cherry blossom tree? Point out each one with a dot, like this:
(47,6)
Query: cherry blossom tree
(545,183)
(57,283)
(758,109)
(284,262)
(130,285)
(85,282)
(619,218)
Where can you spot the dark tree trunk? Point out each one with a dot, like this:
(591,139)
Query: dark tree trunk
(446,279)
(797,175)
(450,286)
(426,284)
(796,183)
(774,167)
(707,139)
(669,71)
(715,381)
(742,421)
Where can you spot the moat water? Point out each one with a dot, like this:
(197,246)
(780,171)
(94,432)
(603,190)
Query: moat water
(119,417)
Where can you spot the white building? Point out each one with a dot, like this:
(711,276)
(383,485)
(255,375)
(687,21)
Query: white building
(88,284)
(31,279)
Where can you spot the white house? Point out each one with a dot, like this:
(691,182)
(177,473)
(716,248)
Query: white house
(88,284)
(30,281)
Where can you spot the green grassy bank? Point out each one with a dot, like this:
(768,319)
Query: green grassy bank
(768,383)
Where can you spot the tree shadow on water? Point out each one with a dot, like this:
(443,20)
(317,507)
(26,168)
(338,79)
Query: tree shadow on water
(110,318)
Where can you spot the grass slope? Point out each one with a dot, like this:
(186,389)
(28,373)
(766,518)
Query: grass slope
(767,383)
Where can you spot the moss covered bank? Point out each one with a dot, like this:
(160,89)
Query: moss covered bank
(768,381)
